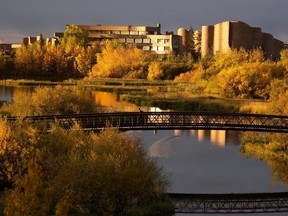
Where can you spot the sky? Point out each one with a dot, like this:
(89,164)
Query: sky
(21,18)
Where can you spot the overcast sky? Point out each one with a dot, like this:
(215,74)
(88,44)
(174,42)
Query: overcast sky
(20,18)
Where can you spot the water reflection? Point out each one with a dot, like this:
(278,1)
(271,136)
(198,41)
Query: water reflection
(220,138)
(7,93)
(108,99)
(162,147)
(198,166)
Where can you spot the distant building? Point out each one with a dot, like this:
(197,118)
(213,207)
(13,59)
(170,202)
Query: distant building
(226,35)
(31,40)
(144,37)
(8,49)
(209,40)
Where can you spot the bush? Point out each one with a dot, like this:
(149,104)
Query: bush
(48,101)
(70,172)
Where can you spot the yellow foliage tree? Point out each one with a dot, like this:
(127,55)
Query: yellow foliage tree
(252,80)
(117,61)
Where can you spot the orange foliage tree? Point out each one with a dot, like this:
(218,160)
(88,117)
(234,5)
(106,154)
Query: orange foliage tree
(118,61)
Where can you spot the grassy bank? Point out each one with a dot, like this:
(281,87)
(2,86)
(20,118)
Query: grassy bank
(179,96)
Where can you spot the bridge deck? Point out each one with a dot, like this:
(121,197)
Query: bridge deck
(169,120)
(230,203)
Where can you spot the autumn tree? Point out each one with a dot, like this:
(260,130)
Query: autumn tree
(278,102)
(70,172)
(48,101)
(284,58)
(118,61)
(250,80)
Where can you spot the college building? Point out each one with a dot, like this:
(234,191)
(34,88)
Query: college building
(226,35)
(148,38)
(207,41)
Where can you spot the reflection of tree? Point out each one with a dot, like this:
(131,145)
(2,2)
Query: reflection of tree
(162,148)
(270,147)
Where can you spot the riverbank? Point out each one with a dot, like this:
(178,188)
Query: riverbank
(167,95)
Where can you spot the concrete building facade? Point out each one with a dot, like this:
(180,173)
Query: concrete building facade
(147,38)
(227,35)
(209,40)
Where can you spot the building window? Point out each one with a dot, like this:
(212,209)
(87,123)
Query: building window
(133,32)
(146,48)
(166,41)
(122,40)
(146,40)
(154,48)
(160,48)
(167,48)
(160,41)
(153,40)
(116,32)
(94,32)
(125,32)
(142,32)
(130,40)
(138,40)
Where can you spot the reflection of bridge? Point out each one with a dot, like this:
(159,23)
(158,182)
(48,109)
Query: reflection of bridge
(231,203)
(189,203)
(170,120)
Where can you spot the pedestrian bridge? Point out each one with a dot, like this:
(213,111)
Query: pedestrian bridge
(230,203)
(188,203)
(168,120)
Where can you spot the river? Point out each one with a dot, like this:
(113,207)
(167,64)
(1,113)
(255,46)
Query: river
(197,161)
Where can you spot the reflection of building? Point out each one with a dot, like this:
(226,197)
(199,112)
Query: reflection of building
(219,137)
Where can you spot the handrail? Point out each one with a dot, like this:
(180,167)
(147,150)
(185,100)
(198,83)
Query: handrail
(168,120)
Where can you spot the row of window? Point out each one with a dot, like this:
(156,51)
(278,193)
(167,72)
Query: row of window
(117,32)
(137,40)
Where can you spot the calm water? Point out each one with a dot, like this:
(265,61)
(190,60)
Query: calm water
(197,161)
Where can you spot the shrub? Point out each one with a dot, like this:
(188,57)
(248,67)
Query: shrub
(70,172)
(48,101)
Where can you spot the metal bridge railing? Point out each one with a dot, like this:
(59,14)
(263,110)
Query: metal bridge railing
(230,203)
(168,120)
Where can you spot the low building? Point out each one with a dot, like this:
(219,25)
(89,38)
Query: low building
(9,49)
(144,37)
(31,40)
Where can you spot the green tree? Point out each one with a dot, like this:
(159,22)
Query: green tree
(73,32)
(191,46)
